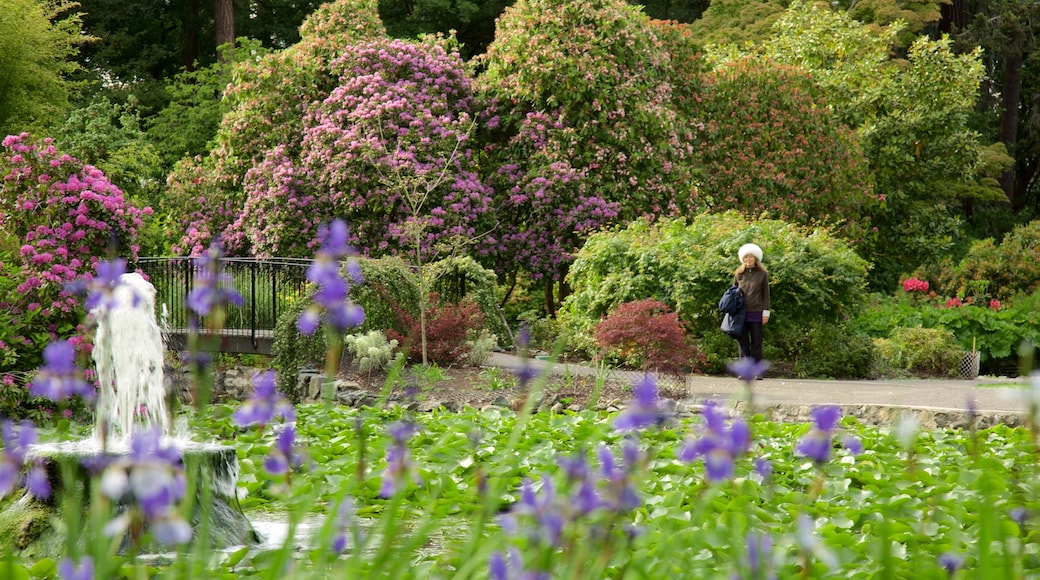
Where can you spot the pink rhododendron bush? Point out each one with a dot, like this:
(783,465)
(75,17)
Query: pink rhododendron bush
(58,218)
(388,150)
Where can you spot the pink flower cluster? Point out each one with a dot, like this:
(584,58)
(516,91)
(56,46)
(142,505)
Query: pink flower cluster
(66,214)
(915,285)
(954,302)
(994,304)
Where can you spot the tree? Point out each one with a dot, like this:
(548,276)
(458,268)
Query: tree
(771,147)
(913,121)
(266,101)
(1007,30)
(591,79)
(37,43)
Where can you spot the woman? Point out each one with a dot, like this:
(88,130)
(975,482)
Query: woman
(753,279)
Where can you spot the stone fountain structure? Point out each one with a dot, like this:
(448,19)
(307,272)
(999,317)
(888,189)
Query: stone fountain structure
(128,356)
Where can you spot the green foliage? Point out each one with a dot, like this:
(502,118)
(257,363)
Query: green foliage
(461,277)
(371,351)
(813,275)
(737,21)
(995,333)
(920,351)
(37,40)
(647,335)
(824,349)
(771,147)
(187,124)
(992,270)
(294,351)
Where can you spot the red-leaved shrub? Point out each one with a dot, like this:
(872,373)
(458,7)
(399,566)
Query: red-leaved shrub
(648,335)
(447,327)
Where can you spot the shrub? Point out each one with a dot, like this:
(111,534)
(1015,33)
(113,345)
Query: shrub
(687,266)
(921,351)
(826,349)
(646,334)
(997,271)
(371,351)
(447,329)
(458,278)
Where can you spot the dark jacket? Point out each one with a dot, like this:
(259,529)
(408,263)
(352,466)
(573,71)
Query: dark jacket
(755,284)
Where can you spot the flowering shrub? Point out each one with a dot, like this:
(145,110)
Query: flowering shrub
(915,285)
(58,217)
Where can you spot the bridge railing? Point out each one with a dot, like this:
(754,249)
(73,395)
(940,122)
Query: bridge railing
(267,287)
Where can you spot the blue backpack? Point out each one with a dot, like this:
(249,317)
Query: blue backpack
(732,300)
(732,305)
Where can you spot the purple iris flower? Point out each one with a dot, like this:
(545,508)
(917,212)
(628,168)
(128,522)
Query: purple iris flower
(621,495)
(759,546)
(59,378)
(265,404)
(645,409)
(1019,515)
(818,443)
(542,506)
(332,303)
(748,369)
(69,570)
(17,439)
(345,524)
(951,563)
(719,445)
(152,475)
(398,458)
(513,569)
(763,467)
(98,289)
(213,287)
(284,453)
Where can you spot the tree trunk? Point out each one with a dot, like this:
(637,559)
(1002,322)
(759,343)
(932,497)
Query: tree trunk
(190,47)
(224,20)
(550,304)
(1009,121)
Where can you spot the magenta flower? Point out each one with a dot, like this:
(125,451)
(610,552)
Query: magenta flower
(915,285)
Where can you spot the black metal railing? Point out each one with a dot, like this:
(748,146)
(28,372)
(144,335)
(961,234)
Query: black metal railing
(267,287)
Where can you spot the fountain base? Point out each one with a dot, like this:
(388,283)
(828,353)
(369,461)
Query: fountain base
(28,524)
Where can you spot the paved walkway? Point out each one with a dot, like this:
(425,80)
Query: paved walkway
(991,394)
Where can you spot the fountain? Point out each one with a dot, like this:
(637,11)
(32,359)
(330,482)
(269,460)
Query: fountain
(128,355)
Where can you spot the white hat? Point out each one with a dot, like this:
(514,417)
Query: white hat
(752,249)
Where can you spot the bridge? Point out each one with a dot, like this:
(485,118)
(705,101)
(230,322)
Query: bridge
(267,287)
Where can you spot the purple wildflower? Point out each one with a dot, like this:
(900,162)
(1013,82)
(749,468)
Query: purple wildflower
(213,287)
(759,547)
(513,569)
(100,287)
(284,453)
(950,562)
(344,523)
(719,446)
(1019,515)
(332,299)
(69,570)
(37,482)
(621,496)
(645,409)
(59,378)
(525,373)
(763,467)
(398,458)
(748,369)
(542,506)
(17,440)
(817,443)
(265,404)
(152,475)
